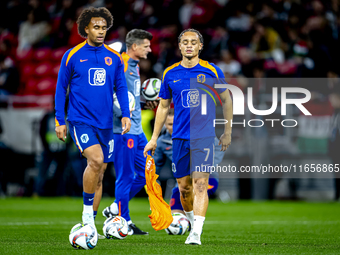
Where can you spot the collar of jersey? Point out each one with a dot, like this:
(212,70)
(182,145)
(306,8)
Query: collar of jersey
(133,62)
(130,60)
(189,68)
(94,48)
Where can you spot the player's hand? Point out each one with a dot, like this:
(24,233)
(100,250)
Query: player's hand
(225,140)
(131,112)
(126,125)
(61,132)
(151,146)
(151,105)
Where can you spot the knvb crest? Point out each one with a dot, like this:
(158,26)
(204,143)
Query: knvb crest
(201,78)
(108,61)
(84,138)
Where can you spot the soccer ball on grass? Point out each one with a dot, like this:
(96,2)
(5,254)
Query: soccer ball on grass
(115,228)
(179,226)
(83,236)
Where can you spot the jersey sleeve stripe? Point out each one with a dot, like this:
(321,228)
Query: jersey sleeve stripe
(169,68)
(125,58)
(57,124)
(74,50)
(206,64)
(115,52)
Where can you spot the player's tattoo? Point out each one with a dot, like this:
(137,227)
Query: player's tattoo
(201,186)
(184,194)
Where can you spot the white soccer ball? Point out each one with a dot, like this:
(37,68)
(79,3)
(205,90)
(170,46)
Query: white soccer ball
(115,228)
(151,88)
(179,226)
(116,106)
(83,236)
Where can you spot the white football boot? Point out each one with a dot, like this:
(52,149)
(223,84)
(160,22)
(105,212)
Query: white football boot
(110,211)
(101,236)
(88,219)
(194,239)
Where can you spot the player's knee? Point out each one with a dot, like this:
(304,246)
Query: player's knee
(96,163)
(200,185)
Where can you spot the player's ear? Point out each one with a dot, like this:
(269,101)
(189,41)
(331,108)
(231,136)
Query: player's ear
(86,30)
(134,46)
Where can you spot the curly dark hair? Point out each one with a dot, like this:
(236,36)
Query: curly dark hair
(192,30)
(89,13)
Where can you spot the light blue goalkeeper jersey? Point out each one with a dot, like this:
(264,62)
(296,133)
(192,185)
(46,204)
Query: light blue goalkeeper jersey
(131,71)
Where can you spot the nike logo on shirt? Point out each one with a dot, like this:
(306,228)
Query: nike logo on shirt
(82,60)
(177,80)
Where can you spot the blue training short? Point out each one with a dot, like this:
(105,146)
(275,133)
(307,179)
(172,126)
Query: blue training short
(85,136)
(196,155)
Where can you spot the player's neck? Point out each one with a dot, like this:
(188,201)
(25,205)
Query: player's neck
(132,55)
(89,42)
(188,63)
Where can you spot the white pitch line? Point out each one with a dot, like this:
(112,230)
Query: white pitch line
(35,223)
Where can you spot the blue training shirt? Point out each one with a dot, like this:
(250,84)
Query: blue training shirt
(187,87)
(93,73)
(132,76)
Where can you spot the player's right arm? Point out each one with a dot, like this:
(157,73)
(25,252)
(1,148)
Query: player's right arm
(165,94)
(64,76)
(159,156)
(161,114)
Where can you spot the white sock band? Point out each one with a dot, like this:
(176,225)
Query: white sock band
(190,216)
(88,209)
(198,225)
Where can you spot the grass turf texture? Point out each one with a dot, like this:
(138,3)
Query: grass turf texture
(42,226)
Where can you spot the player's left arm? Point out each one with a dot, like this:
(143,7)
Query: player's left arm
(227,106)
(122,96)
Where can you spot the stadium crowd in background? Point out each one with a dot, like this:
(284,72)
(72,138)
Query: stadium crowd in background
(270,38)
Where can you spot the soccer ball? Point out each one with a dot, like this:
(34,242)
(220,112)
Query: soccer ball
(115,228)
(116,106)
(83,236)
(151,88)
(179,226)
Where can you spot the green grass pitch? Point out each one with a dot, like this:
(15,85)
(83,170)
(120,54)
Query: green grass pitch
(41,226)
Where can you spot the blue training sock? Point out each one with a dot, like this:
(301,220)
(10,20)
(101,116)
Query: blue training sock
(88,198)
